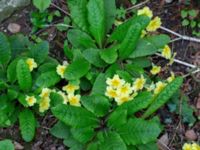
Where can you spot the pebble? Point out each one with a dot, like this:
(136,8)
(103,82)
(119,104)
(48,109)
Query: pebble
(190,135)
(14,27)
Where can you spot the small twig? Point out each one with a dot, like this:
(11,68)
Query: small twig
(163,144)
(183,37)
(52,4)
(180,62)
(137,6)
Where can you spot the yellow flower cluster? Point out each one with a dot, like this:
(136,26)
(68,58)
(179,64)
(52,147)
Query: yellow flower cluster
(31,64)
(121,91)
(70,97)
(44,103)
(192,146)
(154,23)
(60,69)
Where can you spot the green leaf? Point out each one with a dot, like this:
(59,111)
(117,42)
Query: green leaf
(6,145)
(150,45)
(5,50)
(93,56)
(139,131)
(142,101)
(41,4)
(39,51)
(109,55)
(24,76)
(110,13)
(77,69)
(56,99)
(130,41)
(27,124)
(47,67)
(60,130)
(47,79)
(75,116)
(96,19)
(164,96)
(67,51)
(11,71)
(185,22)
(117,118)
(83,135)
(97,104)
(99,86)
(80,39)
(149,146)
(184,13)
(78,12)
(112,141)
(193,13)
(121,31)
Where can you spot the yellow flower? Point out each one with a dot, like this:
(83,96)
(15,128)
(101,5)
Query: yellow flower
(122,99)
(146,12)
(143,34)
(31,63)
(171,78)
(70,88)
(155,70)
(195,146)
(187,146)
(159,87)
(74,100)
(45,93)
(115,82)
(110,92)
(125,89)
(154,24)
(44,104)
(31,100)
(61,70)
(167,52)
(117,22)
(139,83)
(64,96)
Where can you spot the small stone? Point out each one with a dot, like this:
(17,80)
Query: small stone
(190,135)
(18,146)
(14,28)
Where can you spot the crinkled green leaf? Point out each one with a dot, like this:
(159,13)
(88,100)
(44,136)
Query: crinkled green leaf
(164,96)
(6,145)
(27,124)
(93,56)
(75,116)
(80,39)
(150,45)
(112,141)
(11,71)
(97,104)
(96,19)
(47,79)
(120,32)
(83,135)
(99,86)
(24,76)
(39,51)
(77,69)
(78,12)
(5,50)
(139,131)
(109,55)
(41,4)
(129,43)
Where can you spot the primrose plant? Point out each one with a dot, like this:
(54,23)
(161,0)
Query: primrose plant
(111,93)
(26,73)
